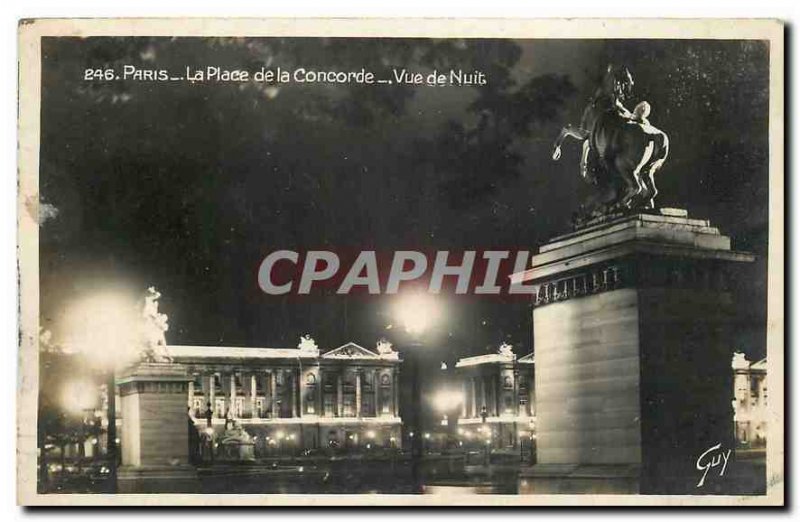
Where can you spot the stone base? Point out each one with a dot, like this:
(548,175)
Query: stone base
(634,335)
(575,479)
(158,479)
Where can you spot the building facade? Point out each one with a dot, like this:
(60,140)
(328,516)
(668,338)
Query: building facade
(499,402)
(296,399)
(750,401)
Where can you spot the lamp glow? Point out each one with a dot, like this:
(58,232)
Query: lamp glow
(447,400)
(416,312)
(106,328)
(80,396)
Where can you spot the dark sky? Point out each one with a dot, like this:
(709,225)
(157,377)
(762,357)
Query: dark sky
(186,187)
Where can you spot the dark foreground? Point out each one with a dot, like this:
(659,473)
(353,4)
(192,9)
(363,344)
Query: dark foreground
(437,474)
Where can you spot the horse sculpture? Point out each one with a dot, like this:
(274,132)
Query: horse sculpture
(622,151)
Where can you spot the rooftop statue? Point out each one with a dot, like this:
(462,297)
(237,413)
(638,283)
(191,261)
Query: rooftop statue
(622,151)
(154,328)
(307,344)
(506,349)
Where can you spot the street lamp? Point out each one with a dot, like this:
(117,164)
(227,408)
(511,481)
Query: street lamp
(106,329)
(416,313)
(447,401)
(80,397)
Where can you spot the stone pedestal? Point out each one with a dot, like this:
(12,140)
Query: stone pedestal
(155,432)
(633,341)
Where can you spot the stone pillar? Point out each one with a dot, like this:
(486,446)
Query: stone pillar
(294,391)
(155,434)
(303,386)
(484,402)
(358,393)
(253,395)
(211,390)
(376,389)
(273,386)
(465,400)
(395,393)
(644,299)
(232,405)
(190,398)
(339,395)
(474,395)
(320,395)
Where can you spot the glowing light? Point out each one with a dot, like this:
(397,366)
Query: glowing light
(371,434)
(446,400)
(106,327)
(79,396)
(416,312)
(427,435)
(279,435)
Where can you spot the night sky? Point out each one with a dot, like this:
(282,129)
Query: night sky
(186,187)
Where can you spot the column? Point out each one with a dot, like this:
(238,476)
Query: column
(358,392)
(302,385)
(232,405)
(190,399)
(253,394)
(339,395)
(474,396)
(465,398)
(395,394)
(376,388)
(211,392)
(273,392)
(483,395)
(320,393)
(295,385)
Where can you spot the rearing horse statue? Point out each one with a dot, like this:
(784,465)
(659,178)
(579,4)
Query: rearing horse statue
(621,149)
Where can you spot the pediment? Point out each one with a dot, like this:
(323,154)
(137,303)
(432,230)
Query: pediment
(350,351)
(528,359)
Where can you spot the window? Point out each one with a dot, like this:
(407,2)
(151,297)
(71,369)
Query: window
(348,405)
(219,408)
(385,379)
(197,406)
(310,407)
(507,382)
(330,405)
(239,410)
(260,407)
(367,406)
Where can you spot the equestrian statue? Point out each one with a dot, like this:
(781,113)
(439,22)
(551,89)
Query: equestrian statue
(622,151)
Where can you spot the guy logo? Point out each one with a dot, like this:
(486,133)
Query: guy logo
(708,460)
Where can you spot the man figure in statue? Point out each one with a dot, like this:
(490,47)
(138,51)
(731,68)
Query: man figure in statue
(621,149)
